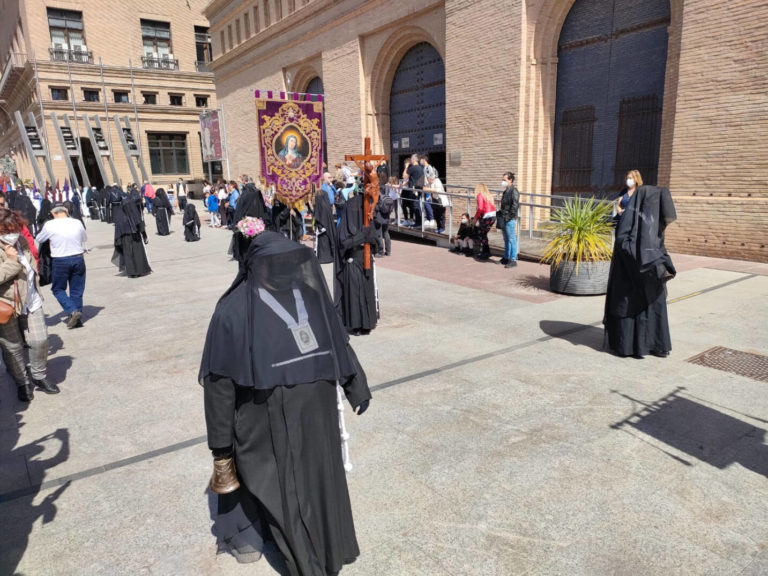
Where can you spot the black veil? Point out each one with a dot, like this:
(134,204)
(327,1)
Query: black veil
(250,342)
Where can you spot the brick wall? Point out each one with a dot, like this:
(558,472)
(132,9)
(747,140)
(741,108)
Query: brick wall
(341,82)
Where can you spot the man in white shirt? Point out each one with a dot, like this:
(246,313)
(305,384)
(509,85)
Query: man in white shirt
(181,194)
(67,238)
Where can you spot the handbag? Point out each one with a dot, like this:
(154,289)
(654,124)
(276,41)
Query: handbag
(8,311)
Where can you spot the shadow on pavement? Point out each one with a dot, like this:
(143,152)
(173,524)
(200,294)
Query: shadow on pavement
(88,313)
(58,367)
(577,334)
(699,431)
(18,513)
(534,281)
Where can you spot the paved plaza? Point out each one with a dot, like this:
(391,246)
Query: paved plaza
(501,439)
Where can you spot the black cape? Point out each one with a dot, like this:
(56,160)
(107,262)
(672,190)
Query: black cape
(354,290)
(130,234)
(635,316)
(163,212)
(276,407)
(191,222)
(325,229)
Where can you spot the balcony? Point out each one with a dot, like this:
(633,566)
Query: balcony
(12,71)
(157,62)
(76,55)
(202,66)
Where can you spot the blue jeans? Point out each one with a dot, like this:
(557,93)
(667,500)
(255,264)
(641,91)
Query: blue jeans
(148,202)
(510,240)
(69,270)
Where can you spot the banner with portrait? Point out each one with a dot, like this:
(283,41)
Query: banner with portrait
(210,135)
(291,142)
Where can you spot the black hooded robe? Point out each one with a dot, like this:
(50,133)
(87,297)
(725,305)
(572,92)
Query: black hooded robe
(130,235)
(191,222)
(325,229)
(276,405)
(162,208)
(250,203)
(91,201)
(354,288)
(635,319)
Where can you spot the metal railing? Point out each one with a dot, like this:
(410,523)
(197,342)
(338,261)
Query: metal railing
(535,210)
(202,66)
(71,55)
(15,64)
(159,63)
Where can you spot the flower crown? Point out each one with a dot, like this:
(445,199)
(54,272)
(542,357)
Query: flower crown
(250,227)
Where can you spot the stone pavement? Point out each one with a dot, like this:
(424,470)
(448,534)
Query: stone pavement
(501,439)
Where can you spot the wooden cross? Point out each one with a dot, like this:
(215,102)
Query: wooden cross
(368,163)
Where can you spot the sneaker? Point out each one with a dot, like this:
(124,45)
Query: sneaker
(511,264)
(73,319)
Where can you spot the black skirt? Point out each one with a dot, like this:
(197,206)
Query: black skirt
(358,297)
(131,256)
(163,220)
(639,335)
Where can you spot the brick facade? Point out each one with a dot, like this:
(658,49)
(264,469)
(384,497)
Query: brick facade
(501,71)
(112,32)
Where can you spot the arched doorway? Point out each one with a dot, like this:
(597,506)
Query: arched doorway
(612,58)
(315,86)
(417,107)
(91,165)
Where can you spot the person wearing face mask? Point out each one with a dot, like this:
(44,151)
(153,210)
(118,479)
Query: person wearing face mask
(67,237)
(462,240)
(19,289)
(181,194)
(507,218)
(634,180)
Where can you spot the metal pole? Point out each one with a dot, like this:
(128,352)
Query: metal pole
(42,119)
(226,141)
(106,107)
(210,171)
(136,114)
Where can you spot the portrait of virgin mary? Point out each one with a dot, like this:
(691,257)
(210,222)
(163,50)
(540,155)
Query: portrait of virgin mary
(290,154)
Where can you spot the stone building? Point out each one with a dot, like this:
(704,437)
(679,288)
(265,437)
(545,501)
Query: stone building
(569,94)
(131,59)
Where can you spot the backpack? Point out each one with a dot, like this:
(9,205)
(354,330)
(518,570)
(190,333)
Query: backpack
(387,205)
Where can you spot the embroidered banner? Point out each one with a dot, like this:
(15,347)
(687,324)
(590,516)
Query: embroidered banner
(210,134)
(291,142)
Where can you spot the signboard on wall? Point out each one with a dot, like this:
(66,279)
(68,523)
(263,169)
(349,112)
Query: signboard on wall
(210,135)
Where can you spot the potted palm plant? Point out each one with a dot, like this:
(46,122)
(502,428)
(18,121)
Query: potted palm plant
(580,248)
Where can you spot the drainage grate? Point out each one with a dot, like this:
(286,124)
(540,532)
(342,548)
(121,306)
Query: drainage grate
(747,364)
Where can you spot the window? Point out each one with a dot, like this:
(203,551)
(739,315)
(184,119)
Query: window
(221,42)
(229,36)
(237,32)
(278,10)
(90,95)
(121,97)
(59,94)
(149,98)
(291,6)
(168,153)
(576,130)
(266,14)
(156,38)
(202,46)
(247,24)
(637,145)
(66,28)
(176,99)
(201,101)
(255,19)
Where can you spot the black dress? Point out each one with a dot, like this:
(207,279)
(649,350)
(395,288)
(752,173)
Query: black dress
(191,222)
(325,229)
(273,401)
(162,209)
(130,235)
(635,316)
(354,286)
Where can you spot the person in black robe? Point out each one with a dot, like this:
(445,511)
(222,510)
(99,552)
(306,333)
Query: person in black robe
(91,201)
(325,229)
(289,223)
(354,286)
(74,211)
(162,212)
(250,203)
(191,222)
(635,319)
(130,237)
(26,207)
(273,356)
(45,212)
(115,198)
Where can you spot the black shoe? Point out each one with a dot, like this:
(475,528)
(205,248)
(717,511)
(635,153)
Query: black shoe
(45,386)
(73,319)
(511,264)
(26,392)
(659,354)
(482,257)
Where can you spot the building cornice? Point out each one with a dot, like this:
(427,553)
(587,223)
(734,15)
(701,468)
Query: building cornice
(79,70)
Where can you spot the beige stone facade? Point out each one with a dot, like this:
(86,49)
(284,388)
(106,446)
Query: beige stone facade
(501,70)
(165,95)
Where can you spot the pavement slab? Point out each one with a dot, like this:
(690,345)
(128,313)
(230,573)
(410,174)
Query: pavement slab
(502,439)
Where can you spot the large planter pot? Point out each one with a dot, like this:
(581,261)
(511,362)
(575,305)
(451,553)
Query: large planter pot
(590,280)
